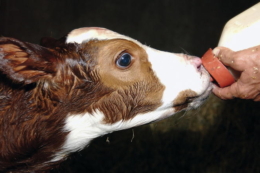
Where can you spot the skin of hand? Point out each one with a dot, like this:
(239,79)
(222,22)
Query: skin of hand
(247,63)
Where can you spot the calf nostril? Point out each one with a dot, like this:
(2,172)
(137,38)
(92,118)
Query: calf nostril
(196,62)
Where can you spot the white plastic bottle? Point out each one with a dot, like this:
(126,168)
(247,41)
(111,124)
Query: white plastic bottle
(242,31)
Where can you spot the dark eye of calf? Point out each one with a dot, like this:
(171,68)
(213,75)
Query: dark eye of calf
(124,60)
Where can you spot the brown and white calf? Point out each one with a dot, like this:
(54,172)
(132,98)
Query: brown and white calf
(55,99)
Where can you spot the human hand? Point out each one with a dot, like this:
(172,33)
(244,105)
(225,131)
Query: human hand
(247,62)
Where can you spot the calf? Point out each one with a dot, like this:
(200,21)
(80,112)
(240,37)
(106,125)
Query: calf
(56,98)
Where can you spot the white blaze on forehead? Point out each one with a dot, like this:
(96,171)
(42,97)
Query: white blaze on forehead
(89,33)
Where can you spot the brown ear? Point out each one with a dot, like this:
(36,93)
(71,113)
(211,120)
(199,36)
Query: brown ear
(52,43)
(25,62)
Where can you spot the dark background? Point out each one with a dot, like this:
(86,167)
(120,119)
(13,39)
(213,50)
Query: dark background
(219,137)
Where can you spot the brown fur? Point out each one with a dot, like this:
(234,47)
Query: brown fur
(135,86)
(40,86)
(183,99)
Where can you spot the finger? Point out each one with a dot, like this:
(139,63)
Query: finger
(229,92)
(257,98)
(223,93)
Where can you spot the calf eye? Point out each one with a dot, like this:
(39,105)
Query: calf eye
(124,60)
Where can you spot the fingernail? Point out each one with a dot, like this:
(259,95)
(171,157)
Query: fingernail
(214,87)
(216,51)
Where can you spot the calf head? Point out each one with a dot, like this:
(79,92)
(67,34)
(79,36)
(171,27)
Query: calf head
(57,97)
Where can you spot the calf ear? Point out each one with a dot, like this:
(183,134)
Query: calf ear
(52,43)
(25,62)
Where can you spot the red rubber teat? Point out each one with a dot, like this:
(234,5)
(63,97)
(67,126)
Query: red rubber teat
(217,70)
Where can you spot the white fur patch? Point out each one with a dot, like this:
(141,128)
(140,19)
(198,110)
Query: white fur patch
(89,33)
(177,74)
(84,128)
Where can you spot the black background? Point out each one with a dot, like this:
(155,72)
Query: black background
(221,136)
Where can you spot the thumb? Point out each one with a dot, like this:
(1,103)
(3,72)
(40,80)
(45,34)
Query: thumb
(235,60)
(225,55)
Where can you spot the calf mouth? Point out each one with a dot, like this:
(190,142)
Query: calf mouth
(200,99)
(189,99)
(190,102)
